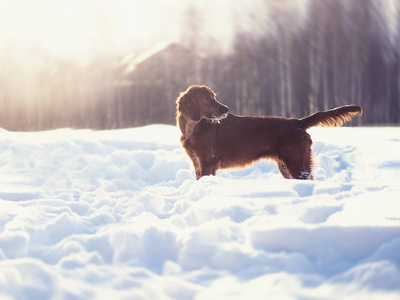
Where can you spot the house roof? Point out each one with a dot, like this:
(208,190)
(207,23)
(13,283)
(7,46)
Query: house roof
(131,60)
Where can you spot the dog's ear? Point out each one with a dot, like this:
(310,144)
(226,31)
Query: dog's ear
(188,108)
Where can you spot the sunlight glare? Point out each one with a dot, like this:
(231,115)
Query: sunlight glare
(80,30)
(77,29)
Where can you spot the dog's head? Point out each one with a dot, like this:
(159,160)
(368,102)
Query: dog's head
(199,102)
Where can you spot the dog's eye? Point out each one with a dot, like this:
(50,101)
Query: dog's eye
(205,97)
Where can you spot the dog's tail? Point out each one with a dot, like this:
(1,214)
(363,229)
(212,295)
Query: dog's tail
(332,117)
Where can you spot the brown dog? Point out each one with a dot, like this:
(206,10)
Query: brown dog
(215,139)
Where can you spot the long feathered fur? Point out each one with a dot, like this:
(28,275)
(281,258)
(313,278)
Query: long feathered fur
(332,117)
(215,139)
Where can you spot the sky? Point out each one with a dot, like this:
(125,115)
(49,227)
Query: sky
(76,29)
(81,29)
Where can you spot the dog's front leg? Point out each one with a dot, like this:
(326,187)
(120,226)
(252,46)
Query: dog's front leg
(196,164)
(207,168)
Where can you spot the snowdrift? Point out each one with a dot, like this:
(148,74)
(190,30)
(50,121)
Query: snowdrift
(119,215)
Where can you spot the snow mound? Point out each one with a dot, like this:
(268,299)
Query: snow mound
(119,215)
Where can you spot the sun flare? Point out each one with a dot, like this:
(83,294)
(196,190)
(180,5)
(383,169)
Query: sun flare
(77,29)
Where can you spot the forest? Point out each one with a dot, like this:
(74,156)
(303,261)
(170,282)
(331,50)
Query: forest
(288,64)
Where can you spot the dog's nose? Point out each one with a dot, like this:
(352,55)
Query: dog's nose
(225,109)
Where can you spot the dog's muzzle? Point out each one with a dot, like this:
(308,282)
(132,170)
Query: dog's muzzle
(221,113)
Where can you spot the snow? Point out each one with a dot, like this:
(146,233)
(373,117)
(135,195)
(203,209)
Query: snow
(119,215)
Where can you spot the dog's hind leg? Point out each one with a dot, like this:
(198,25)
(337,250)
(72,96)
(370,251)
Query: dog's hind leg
(295,169)
(283,169)
(299,165)
(296,158)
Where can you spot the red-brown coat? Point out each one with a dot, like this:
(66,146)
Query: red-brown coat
(215,139)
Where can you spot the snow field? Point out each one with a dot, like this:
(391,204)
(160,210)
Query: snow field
(119,215)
